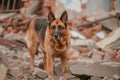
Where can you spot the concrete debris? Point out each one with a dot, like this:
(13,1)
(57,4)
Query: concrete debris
(110,39)
(3,71)
(40,73)
(5,16)
(3,66)
(1,29)
(75,34)
(13,36)
(95,42)
(95,78)
(79,42)
(95,69)
(110,24)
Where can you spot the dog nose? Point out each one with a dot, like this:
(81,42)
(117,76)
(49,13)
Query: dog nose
(56,36)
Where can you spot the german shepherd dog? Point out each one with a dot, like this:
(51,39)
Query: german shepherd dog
(53,37)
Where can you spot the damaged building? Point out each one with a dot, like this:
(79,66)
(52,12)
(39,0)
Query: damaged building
(95,39)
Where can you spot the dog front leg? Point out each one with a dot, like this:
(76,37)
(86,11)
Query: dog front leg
(64,65)
(45,62)
(50,66)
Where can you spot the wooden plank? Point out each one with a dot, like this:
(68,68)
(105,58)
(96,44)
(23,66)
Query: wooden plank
(9,11)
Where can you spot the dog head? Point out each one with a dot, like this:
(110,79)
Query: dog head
(57,26)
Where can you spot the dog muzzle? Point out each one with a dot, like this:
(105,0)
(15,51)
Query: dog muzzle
(57,36)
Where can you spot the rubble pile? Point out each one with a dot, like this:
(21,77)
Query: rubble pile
(94,53)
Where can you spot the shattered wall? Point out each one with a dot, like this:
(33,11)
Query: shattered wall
(92,6)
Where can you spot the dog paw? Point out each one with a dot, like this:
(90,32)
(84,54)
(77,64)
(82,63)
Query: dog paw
(62,78)
(50,78)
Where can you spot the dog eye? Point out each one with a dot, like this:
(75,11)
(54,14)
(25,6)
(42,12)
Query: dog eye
(60,28)
(53,27)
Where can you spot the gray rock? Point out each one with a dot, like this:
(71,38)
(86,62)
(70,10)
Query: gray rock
(96,69)
(110,23)
(108,52)
(91,45)
(72,77)
(40,73)
(14,36)
(3,59)
(15,71)
(116,77)
(1,29)
(58,69)
(95,78)
(113,37)
(3,71)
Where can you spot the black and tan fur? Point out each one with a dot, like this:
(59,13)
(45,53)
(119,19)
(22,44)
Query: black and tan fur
(53,36)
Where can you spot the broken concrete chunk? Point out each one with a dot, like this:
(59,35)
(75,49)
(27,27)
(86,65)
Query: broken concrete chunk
(79,42)
(40,73)
(95,69)
(116,77)
(7,15)
(91,45)
(77,35)
(115,35)
(15,71)
(3,59)
(115,44)
(58,69)
(97,55)
(95,78)
(72,77)
(110,24)
(3,71)
(1,29)
(13,36)
(109,54)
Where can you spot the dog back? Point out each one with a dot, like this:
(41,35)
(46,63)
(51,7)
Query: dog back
(37,29)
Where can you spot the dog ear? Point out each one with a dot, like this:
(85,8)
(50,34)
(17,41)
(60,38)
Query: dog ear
(64,17)
(51,16)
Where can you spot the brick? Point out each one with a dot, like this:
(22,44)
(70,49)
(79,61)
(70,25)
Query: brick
(26,4)
(49,3)
(110,55)
(75,58)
